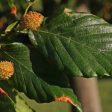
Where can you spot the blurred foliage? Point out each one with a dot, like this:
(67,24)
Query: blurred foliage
(5,10)
(102,8)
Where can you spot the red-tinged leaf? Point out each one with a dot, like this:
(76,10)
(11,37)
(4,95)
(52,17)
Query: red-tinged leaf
(65,99)
(2,92)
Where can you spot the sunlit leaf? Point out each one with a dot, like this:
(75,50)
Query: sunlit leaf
(79,43)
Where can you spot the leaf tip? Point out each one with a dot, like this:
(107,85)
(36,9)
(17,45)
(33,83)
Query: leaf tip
(65,99)
(2,92)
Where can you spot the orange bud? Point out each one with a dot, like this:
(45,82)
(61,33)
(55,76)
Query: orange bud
(13,10)
(65,99)
(6,70)
(31,20)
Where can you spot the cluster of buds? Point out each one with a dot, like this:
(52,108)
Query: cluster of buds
(31,20)
(6,70)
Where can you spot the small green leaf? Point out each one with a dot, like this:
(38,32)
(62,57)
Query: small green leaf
(11,26)
(32,38)
(21,105)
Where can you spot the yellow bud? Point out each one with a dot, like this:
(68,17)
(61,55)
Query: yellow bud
(31,20)
(6,70)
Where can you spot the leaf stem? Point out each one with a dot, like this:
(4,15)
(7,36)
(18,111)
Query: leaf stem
(29,5)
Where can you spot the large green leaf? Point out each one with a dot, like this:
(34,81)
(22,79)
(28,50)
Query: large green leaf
(25,80)
(47,70)
(78,43)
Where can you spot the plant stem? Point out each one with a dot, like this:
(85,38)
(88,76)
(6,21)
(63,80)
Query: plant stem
(29,5)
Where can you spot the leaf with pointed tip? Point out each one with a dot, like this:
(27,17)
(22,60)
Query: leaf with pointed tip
(25,80)
(11,26)
(78,43)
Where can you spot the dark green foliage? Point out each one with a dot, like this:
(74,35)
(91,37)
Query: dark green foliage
(78,43)
(25,80)
(68,45)
(6,104)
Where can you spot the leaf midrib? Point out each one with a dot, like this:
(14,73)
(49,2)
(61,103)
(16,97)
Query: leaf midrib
(17,61)
(95,51)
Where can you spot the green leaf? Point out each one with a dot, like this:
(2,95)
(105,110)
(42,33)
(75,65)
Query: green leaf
(79,43)
(32,38)
(11,101)
(21,105)
(10,3)
(41,65)
(6,102)
(25,80)
(11,26)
